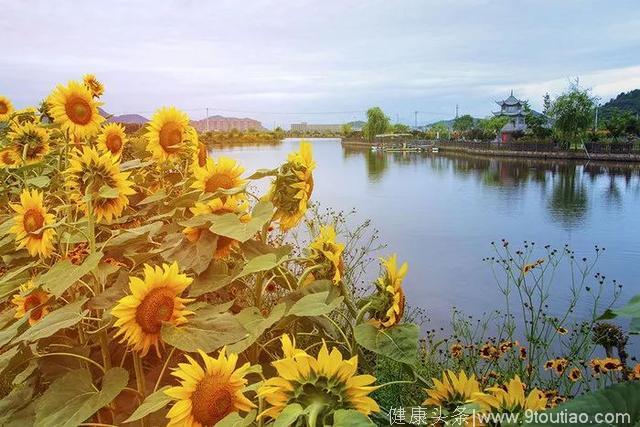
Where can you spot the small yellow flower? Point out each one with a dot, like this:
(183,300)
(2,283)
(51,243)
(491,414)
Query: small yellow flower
(456,350)
(575,374)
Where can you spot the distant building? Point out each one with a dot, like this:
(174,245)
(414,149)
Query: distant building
(513,108)
(225,124)
(306,127)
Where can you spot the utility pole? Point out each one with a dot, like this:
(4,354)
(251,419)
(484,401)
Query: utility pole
(397,118)
(596,126)
(415,119)
(456,111)
(207,119)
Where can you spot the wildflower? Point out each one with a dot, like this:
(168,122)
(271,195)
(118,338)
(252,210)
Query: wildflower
(611,364)
(489,351)
(154,299)
(208,393)
(112,139)
(575,374)
(456,350)
(74,108)
(169,134)
(636,372)
(6,108)
(523,353)
(31,298)
(560,365)
(561,330)
(452,391)
(303,379)
(596,366)
(32,224)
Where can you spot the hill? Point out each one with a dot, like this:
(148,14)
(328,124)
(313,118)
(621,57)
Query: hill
(447,123)
(136,119)
(625,101)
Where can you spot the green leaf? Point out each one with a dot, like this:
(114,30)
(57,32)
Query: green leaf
(204,334)
(314,305)
(11,280)
(263,173)
(399,343)
(18,397)
(235,420)
(135,235)
(229,225)
(61,318)
(255,325)
(350,418)
(193,256)
(39,181)
(107,192)
(72,399)
(621,400)
(9,332)
(134,164)
(289,415)
(154,402)
(631,310)
(64,274)
(155,197)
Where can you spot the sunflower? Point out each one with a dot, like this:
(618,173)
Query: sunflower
(208,393)
(32,224)
(29,141)
(575,374)
(94,85)
(452,391)
(9,158)
(154,299)
(218,206)
(26,115)
(326,253)
(30,298)
(98,175)
(221,174)
(200,156)
(169,134)
(326,383)
(6,108)
(112,139)
(388,302)
(511,398)
(291,190)
(74,108)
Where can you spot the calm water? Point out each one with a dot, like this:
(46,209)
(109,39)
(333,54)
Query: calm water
(440,213)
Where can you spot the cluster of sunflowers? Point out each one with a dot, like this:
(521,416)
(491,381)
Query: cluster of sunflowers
(129,259)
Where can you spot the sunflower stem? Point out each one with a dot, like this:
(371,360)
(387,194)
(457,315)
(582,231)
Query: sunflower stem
(164,368)
(347,299)
(140,382)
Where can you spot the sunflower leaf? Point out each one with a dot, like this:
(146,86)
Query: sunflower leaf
(263,173)
(72,398)
(255,325)
(154,402)
(64,274)
(314,305)
(399,343)
(107,192)
(289,415)
(230,225)
(235,420)
(204,334)
(350,418)
(61,318)
(38,181)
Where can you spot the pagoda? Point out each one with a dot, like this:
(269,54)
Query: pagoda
(513,108)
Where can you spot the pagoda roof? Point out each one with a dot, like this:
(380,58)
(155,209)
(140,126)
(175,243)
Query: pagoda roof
(511,100)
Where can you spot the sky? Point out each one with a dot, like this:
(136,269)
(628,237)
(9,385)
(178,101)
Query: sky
(320,61)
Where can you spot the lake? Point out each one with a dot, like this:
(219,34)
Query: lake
(440,213)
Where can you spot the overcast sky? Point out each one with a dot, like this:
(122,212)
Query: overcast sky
(266,59)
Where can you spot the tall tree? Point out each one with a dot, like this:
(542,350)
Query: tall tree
(536,123)
(463,123)
(377,123)
(573,112)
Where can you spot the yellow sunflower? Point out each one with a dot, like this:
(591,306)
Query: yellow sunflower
(169,134)
(31,224)
(326,253)
(452,391)
(327,382)
(218,206)
(74,108)
(511,398)
(390,290)
(221,174)
(6,108)
(98,175)
(154,299)
(112,139)
(30,298)
(208,393)
(291,189)
(93,84)
(9,158)
(29,141)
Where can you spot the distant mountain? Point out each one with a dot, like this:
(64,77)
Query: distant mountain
(447,123)
(124,118)
(625,101)
(357,124)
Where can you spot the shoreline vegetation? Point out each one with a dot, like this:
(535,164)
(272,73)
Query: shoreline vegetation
(144,282)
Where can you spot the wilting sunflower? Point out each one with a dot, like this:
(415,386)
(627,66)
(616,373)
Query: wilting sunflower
(112,139)
(98,175)
(218,206)
(30,298)
(6,108)
(220,174)
(389,301)
(169,134)
(291,189)
(93,84)
(452,391)
(511,398)
(26,115)
(327,382)
(154,299)
(9,158)
(208,393)
(74,108)
(200,156)
(29,141)
(326,253)
(31,224)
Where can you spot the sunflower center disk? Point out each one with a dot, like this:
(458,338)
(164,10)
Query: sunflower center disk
(33,221)
(171,137)
(217,182)
(114,143)
(155,308)
(212,400)
(3,108)
(7,159)
(78,110)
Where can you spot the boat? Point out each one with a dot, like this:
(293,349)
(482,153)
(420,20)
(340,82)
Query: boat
(434,149)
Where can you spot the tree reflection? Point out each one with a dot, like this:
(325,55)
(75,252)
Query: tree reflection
(569,202)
